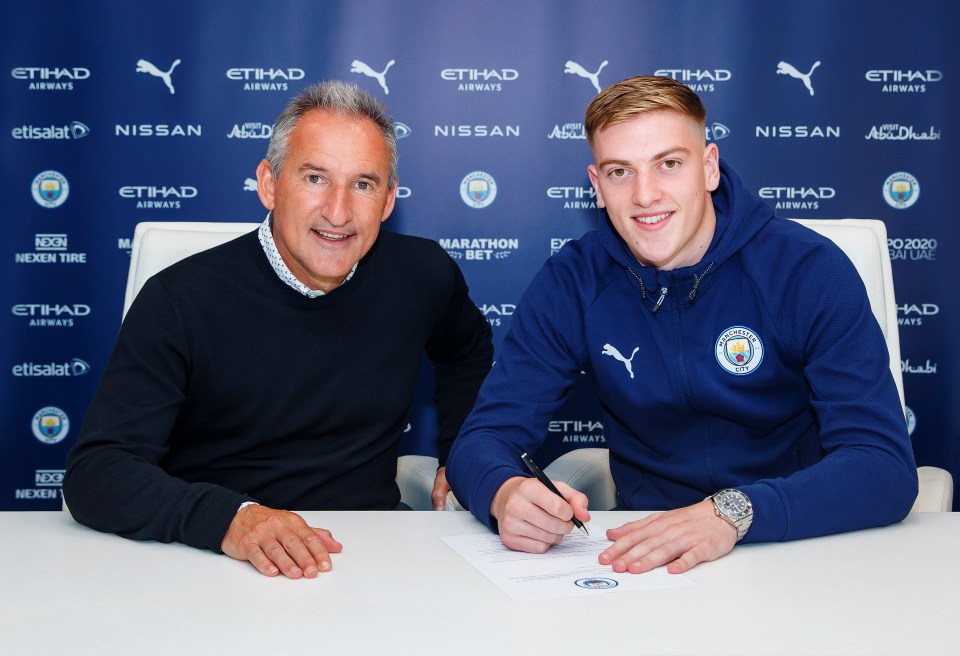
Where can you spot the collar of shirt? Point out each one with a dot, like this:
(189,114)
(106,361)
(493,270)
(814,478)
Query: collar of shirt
(280,267)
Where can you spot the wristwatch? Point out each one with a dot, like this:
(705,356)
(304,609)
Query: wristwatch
(735,507)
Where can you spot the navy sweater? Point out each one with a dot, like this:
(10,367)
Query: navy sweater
(227,385)
(763,369)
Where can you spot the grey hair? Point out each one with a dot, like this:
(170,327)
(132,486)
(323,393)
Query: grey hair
(332,96)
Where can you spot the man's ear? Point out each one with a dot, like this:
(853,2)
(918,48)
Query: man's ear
(594,177)
(265,184)
(711,166)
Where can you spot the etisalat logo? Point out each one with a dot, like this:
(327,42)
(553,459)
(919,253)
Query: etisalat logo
(71,369)
(70,131)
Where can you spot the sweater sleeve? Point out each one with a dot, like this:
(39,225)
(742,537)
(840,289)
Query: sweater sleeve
(114,480)
(461,351)
(867,476)
(538,363)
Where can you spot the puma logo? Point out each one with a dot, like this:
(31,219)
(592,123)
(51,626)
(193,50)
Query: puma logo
(143,66)
(609,349)
(249,184)
(357,66)
(783,68)
(576,69)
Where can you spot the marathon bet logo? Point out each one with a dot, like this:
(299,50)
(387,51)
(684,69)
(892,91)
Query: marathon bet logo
(797,198)
(697,79)
(71,369)
(41,78)
(480,79)
(913,314)
(897,132)
(574,198)
(50,315)
(912,248)
(480,248)
(151,197)
(250,130)
(265,79)
(73,130)
(50,249)
(903,81)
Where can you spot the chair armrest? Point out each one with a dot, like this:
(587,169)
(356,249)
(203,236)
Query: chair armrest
(936,490)
(415,477)
(586,470)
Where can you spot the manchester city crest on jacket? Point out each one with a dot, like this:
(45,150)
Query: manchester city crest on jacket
(739,350)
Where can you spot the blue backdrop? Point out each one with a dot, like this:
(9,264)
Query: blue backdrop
(115,113)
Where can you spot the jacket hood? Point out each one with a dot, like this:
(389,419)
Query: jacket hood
(740,215)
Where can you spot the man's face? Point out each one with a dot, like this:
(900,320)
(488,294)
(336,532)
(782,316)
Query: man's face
(330,197)
(654,175)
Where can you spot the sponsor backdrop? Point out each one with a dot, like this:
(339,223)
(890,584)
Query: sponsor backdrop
(118,113)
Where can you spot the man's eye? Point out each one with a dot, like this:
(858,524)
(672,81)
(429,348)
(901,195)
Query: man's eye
(617,173)
(671,164)
(313,179)
(363,185)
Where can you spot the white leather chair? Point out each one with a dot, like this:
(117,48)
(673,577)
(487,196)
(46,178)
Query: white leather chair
(865,243)
(156,245)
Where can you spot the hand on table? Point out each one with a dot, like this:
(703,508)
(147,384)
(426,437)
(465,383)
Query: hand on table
(440,490)
(531,518)
(277,541)
(680,538)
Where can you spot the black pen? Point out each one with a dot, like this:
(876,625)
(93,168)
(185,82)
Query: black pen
(536,471)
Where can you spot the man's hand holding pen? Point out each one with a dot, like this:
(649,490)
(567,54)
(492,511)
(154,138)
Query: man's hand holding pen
(531,518)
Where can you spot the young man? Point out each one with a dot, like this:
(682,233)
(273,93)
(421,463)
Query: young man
(744,381)
(278,370)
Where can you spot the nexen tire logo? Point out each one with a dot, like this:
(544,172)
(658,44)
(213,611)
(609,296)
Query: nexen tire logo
(76,367)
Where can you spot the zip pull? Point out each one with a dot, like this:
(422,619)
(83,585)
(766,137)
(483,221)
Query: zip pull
(663,295)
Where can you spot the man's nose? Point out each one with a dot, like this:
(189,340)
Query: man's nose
(646,190)
(337,207)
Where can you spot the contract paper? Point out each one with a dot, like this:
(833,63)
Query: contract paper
(569,569)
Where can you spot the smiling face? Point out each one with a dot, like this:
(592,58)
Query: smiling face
(654,174)
(330,198)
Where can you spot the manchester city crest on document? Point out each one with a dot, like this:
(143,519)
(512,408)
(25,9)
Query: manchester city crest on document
(739,350)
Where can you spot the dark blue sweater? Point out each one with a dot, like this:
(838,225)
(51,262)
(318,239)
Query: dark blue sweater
(227,385)
(763,369)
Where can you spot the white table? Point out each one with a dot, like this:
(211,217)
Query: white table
(399,589)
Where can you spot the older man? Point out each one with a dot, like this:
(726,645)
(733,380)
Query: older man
(278,370)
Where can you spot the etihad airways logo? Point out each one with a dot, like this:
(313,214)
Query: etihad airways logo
(480,79)
(495,314)
(698,79)
(50,315)
(153,197)
(903,81)
(42,78)
(74,130)
(797,198)
(574,198)
(265,79)
(913,314)
(577,431)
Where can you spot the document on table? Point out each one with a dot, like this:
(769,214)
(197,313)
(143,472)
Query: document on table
(569,569)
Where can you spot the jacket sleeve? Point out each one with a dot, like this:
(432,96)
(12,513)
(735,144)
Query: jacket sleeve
(461,351)
(867,476)
(539,361)
(114,478)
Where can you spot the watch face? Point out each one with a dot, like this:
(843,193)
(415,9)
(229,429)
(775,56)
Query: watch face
(733,503)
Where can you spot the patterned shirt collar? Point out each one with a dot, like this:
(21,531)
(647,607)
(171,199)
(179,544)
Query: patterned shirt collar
(280,267)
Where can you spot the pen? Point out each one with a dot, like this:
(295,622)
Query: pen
(536,471)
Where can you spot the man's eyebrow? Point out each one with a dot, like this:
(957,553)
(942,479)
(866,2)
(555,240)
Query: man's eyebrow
(681,150)
(613,162)
(373,176)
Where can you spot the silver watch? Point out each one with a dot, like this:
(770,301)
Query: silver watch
(735,507)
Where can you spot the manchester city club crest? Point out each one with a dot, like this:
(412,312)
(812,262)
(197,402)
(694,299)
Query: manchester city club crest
(478,189)
(901,190)
(739,350)
(50,189)
(596,583)
(50,425)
